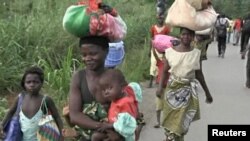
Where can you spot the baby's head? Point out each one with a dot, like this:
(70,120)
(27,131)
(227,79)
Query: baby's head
(111,83)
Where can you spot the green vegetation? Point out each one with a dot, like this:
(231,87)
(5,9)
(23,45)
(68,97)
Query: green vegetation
(3,107)
(31,33)
(232,8)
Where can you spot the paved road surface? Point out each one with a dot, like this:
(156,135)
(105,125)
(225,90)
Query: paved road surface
(225,79)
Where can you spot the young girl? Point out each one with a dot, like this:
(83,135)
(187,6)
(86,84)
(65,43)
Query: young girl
(159,28)
(181,105)
(123,111)
(33,105)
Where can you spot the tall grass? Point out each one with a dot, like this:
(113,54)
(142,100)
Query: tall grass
(58,77)
(3,107)
(35,36)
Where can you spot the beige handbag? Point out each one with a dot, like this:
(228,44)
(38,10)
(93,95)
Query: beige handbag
(48,129)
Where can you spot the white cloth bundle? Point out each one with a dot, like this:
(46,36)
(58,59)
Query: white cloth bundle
(182,14)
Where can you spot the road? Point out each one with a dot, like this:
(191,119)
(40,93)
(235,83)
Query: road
(225,78)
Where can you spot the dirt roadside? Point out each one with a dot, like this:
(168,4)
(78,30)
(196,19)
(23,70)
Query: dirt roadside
(147,107)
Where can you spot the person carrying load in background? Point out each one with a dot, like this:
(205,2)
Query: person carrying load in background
(161,6)
(237,31)
(159,28)
(160,44)
(221,28)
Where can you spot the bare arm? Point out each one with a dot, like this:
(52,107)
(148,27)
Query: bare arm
(105,126)
(77,117)
(160,89)
(201,79)
(66,115)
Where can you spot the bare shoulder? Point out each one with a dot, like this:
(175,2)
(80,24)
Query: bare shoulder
(76,75)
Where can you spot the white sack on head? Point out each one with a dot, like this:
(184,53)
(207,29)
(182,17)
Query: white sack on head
(205,32)
(195,3)
(182,14)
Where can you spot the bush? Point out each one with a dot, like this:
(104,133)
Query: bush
(3,108)
(32,34)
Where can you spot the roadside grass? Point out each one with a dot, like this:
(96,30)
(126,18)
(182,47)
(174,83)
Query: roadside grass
(33,35)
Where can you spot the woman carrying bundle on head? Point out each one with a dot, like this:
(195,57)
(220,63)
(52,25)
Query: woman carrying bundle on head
(181,105)
(96,29)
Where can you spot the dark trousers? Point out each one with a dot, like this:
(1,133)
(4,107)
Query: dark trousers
(248,70)
(244,41)
(228,37)
(221,45)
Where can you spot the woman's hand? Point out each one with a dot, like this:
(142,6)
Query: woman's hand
(66,111)
(209,99)
(105,126)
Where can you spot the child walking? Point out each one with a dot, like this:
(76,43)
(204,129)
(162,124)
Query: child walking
(33,105)
(123,110)
(159,100)
(159,28)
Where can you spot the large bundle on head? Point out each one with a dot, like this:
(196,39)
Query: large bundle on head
(93,18)
(207,31)
(115,55)
(199,4)
(183,14)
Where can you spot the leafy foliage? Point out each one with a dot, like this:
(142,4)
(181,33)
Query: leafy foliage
(3,107)
(232,8)
(31,33)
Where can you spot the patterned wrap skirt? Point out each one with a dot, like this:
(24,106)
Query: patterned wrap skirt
(180,106)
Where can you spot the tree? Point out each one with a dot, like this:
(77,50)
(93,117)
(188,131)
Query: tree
(240,8)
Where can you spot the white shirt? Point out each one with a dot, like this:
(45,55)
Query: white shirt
(183,64)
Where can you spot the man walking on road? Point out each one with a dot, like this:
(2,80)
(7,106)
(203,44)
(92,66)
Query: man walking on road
(221,28)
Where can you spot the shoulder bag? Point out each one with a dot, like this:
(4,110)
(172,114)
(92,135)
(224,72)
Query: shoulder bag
(48,129)
(13,128)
